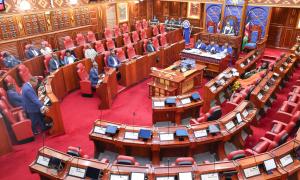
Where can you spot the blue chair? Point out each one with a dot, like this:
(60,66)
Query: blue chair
(255,34)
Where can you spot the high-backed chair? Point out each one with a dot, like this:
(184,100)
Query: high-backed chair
(131,52)
(163,40)
(155,31)
(77,152)
(135,36)
(85,83)
(20,125)
(91,37)
(162,29)
(121,54)
(108,33)
(99,47)
(295,98)
(80,39)
(155,43)
(213,114)
(110,44)
(47,59)
(145,24)
(68,42)
(184,161)
(254,37)
(4,99)
(286,111)
(211,27)
(126,39)
(295,89)
(125,28)
(138,26)
(117,31)
(24,73)
(263,145)
(126,160)
(10,80)
(143,34)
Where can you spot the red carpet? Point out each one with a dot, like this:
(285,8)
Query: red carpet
(79,113)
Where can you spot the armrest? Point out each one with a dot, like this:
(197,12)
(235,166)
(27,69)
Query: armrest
(193,122)
(202,119)
(270,135)
(250,152)
(278,122)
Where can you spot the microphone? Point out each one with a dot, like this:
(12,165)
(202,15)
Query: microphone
(168,168)
(118,170)
(133,115)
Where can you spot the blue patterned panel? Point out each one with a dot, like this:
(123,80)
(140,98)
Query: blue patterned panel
(210,29)
(254,36)
(258,16)
(235,2)
(234,11)
(213,12)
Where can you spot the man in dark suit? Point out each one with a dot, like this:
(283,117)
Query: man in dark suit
(113,60)
(149,47)
(54,63)
(94,75)
(212,48)
(32,52)
(9,60)
(14,98)
(32,105)
(200,45)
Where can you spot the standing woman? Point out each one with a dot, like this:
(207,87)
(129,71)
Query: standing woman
(186,31)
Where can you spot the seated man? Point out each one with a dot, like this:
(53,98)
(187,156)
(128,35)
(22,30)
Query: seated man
(172,22)
(9,60)
(32,52)
(149,47)
(112,60)
(45,50)
(69,58)
(200,45)
(226,49)
(94,75)
(212,48)
(155,20)
(179,21)
(228,29)
(166,20)
(14,98)
(90,53)
(54,63)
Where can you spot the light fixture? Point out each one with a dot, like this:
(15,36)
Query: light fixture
(25,5)
(73,2)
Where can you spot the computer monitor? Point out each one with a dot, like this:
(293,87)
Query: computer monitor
(213,129)
(269,165)
(137,176)
(119,177)
(181,133)
(170,101)
(111,130)
(93,173)
(196,96)
(55,163)
(145,134)
(185,176)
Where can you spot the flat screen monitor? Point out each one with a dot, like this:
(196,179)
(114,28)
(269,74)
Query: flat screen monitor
(42,160)
(251,171)
(2,5)
(165,178)
(119,177)
(77,172)
(269,165)
(185,176)
(92,173)
(137,176)
(210,176)
(54,163)
(286,160)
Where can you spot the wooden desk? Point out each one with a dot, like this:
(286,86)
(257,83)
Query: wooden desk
(214,93)
(247,62)
(284,67)
(213,64)
(175,113)
(169,82)
(219,167)
(107,90)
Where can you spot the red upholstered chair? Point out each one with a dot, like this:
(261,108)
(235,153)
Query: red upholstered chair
(263,145)
(6,104)
(213,114)
(76,151)
(145,46)
(85,83)
(20,125)
(138,26)
(162,29)
(131,52)
(155,31)
(126,160)
(143,34)
(296,90)
(234,155)
(24,73)
(230,105)
(286,111)
(117,31)
(62,54)
(110,44)
(126,39)
(80,39)
(68,42)
(182,161)
(295,98)
(121,54)
(155,43)
(10,80)
(106,54)
(125,28)
(47,58)
(91,37)
(254,37)
(99,47)
(135,36)
(108,33)
(145,24)
(163,40)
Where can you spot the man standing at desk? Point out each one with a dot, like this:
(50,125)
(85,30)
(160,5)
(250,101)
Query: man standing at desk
(32,105)
(228,29)
(212,48)
(149,47)
(112,60)
(200,45)
(94,75)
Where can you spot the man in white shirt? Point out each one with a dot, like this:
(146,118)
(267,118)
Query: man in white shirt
(90,53)
(69,58)
(45,50)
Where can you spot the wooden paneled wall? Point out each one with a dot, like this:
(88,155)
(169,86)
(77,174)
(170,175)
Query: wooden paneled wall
(282,31)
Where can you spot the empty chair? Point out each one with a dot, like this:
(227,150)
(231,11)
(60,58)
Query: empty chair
(163,40)
(68,42)
(125,28)
(295,98)
(131,52)
(126,160)
(99,47)
(126,39)
(85,83)
(110,44)
(213,114)
(143,34)
(47,59)
(155,43)
(296,90)
(145,24)
(138,26)
(238,154)
(135,36)
(162,29)
(155,31)
(77,152)
(263,145)
(10,80)
(20,125)
(108,33)
(91,37)
(117,31)
(121,55)
(184,161)
(80,39)
(286,111)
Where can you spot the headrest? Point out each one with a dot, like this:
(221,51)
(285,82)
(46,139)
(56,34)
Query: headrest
(126,160)
(215,113)
(185,161)
(234,155)
(67,38)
